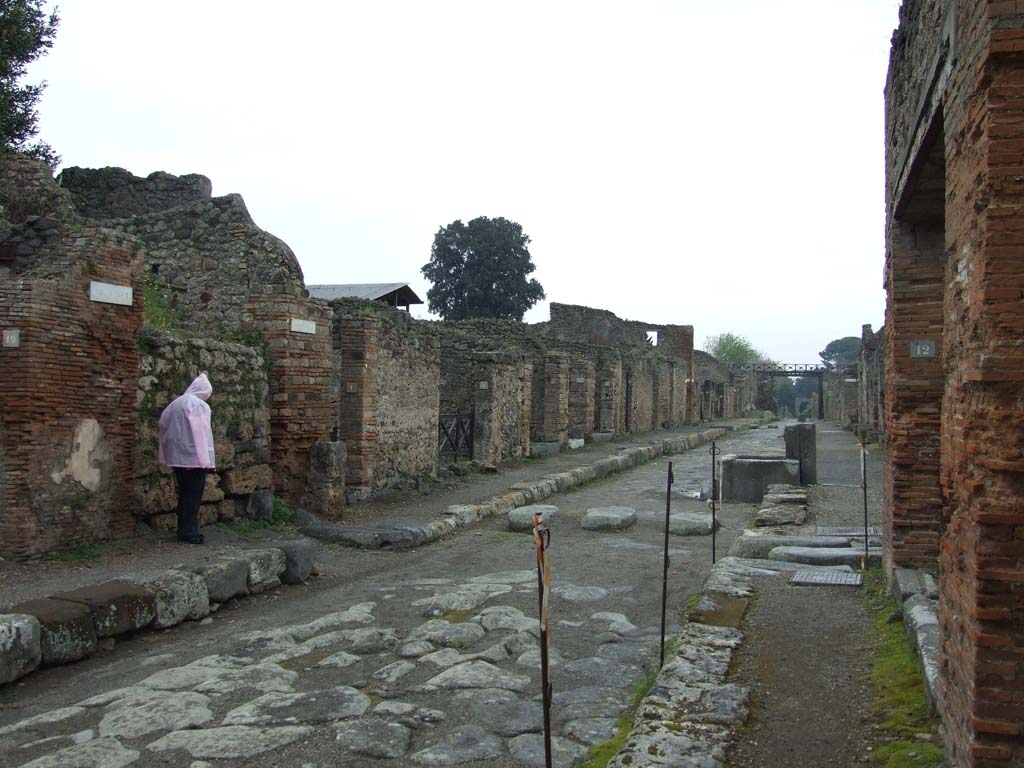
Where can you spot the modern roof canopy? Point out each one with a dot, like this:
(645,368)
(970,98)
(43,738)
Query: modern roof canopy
(392,294)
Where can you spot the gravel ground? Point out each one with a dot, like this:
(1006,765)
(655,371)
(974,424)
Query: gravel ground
(807,649)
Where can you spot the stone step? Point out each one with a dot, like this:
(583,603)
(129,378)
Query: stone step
(826,555)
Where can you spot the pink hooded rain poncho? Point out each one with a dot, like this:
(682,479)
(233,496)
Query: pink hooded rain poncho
(186,439)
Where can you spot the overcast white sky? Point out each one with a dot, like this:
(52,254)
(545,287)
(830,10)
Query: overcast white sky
(709,162)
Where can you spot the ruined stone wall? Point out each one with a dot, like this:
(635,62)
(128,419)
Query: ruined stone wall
(953,105)
(114,193)
(206,252)
(408,392)
(67,404)
(502,407)
(582,398)
(871,383)
(27,189)
(240,405)
(389,395)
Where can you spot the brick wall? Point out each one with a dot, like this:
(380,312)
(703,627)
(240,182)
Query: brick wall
(67,404)
(296,336)
(972,103)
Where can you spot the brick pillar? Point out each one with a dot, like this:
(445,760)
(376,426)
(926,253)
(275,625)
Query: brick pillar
(69,369)
(981,566)
(297,335)
(555,425)
(912,511)
(357,339)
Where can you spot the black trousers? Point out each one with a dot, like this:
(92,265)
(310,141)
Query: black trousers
(191,483)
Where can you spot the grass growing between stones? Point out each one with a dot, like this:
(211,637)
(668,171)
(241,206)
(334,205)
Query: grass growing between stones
(280,519)
(75,554)
(599,755)
(900,706)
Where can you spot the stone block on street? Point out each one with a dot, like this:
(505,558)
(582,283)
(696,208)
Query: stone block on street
(299,559)
(756,545)
(225,579)
(608,519)
(21,649)
(179,595)
(521,518)
(66,630)
(825,555)
(116,606)
(690,524)
(785,514)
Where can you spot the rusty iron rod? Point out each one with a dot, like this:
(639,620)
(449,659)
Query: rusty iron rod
(542,538)
(664,563)
(864,486)
(714,499)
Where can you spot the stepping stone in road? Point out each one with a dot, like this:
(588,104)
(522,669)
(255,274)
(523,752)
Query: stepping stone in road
(690,524)
(608,519)
(758,545)
(520,519)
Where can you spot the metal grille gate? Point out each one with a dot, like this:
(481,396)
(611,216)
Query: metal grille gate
(455,434)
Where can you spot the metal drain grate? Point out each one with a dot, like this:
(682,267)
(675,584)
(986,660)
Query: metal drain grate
(827,579)
(841,531)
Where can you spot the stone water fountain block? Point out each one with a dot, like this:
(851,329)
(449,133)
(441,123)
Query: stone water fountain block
(746,477)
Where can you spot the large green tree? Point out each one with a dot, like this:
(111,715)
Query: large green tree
(26,33)
(481,269)
(840,353)
(733,349)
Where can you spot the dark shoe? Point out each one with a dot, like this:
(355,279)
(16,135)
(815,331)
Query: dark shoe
(191,538)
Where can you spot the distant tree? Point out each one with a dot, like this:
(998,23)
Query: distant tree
(784,393)
(840,353)
(733,349)
(26,33)
(481,269)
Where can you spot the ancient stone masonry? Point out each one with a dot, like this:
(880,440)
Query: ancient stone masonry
(388,384)
(70,309)
(871,384)
(954,414)
(720,391)
(842,398)
(205,251)
(241,484)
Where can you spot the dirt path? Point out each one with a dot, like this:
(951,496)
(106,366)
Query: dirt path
(807,649)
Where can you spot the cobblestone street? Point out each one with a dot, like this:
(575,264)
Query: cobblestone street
(428,657)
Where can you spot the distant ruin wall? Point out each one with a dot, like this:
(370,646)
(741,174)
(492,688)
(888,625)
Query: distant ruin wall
(242,483)
(871,383)
(67,404)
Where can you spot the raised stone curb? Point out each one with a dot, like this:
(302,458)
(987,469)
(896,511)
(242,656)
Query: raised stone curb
(21,648)
(917,593)
(66,627)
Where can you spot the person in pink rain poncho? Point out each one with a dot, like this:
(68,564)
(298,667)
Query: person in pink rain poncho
(186,445)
